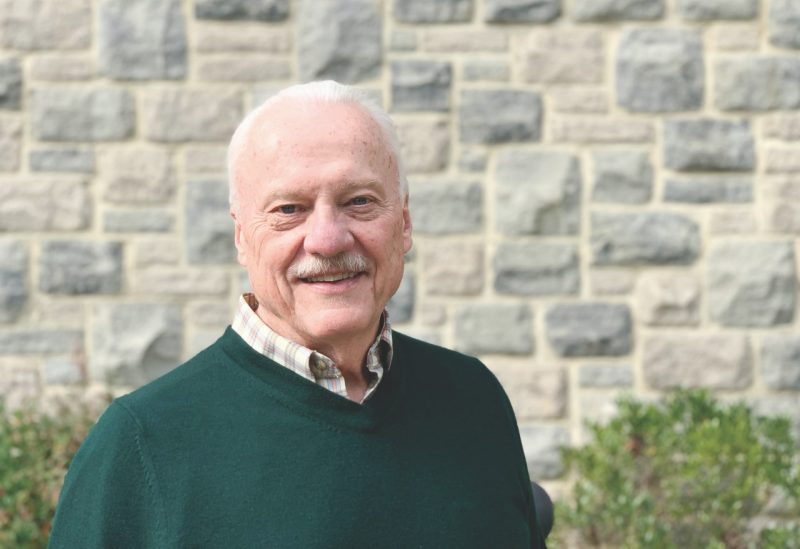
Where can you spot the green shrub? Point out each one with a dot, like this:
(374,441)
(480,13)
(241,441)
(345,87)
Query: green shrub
(687,473)
(35,450)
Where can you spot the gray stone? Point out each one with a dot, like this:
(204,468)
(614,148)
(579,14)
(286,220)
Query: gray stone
(473,160)
(13,276)
(62,160)
(729,190)
(433,11)
(10,84)
(403,40)
(668,299)
(752,283)
(82,114)
(421,85)
(623,177)
(494,329)
(784,23)
(10,142)
(757,83)
(538,192)
(401,305)
(617,10)
(137,175)
(209,230)
(556,56)
(605,376)
(534,393)
(654,238)
(328,47)
(589,329)
(453,268)
(705,144)
(660,70)
(75,267)
(40,341)
(542,445)
(138,221)
(63,370)
(709,10)
(494,71)
(178,114)
(259,10)
(780,362)
(521,11)
(45,24)
(142,39)
(133,343)
(180,282)
(536,269)
(690,360)
(425,145)
(446,208)
(499,116)
(44,205)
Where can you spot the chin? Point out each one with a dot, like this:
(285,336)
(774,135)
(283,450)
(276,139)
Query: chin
(336,323)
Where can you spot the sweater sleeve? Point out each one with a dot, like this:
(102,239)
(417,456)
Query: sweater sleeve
(110,496)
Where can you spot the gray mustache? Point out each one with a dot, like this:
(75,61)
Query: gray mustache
(316,265)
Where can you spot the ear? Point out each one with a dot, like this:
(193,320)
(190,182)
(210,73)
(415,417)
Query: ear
(407,226)
(239,240)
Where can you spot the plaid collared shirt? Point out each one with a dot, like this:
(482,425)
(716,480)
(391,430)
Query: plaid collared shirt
(310,364)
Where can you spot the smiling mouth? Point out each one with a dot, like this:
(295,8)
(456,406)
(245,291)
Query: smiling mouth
(331,277)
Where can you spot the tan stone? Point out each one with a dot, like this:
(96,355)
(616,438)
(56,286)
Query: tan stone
(783,126)
(611,281)
(600,130)
(668,299)
(733,221)
(464,40)
(782,204)
(561,56)
(45,24)
(783,160)
(211,159)
(138,175)
(172,281)
(453,268)
(10,142)
(242,36)
(20,381)
(425,145)
(156,252)
(736,37)
(580,100)
(62,67)
(224,68)
(46,204)
(535,392)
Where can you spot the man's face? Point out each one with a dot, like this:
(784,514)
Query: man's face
(322,227)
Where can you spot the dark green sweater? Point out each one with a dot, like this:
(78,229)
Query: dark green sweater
(233,450)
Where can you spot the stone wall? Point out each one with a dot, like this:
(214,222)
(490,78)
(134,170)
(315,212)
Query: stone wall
(606,193)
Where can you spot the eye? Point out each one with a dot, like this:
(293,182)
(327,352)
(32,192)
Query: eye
(360,201)
(288,209)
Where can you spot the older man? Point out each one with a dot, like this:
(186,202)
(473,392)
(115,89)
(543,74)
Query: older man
(309,423)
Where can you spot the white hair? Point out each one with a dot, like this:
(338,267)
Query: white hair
(326,91)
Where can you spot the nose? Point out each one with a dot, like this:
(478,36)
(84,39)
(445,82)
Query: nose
(328,233)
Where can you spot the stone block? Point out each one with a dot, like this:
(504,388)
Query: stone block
(13,277)
(180,282)
(732,221)
(433,11)
(562,57)
(209,229)
(706,144)
(690,360)
(453,267)
(604,282)
(71,160)
(249,37)
(709,10)
(605,376)
(433,314)
(780,362)
(783,160)
(499,116)
(424,144)
(783,126)
(617,10)
(205,159)
(622,177)
(133,343)
(535,393)
(521,11)
(580,100)
(65,67)
(138,221)
(214,314)
(28,204)
(179,114)
(421,85)
(536,269)
(20,386)
(473,160)
(483,328)
(668,299)
(137,175)
(142,39)
(784,23)
(63,370)
(598,408)
(644,238)
(10,142)
(401,305)
(538,192)
(464,40)
(10,84)
(752,283)
(542,446)
(736,37)
(156,252)
(82,114)
(660,70)
(705,190)
(258,10)
(403,40)
(782,205)
(605,130)
(235,68)
(446,208)
(588,329)
(76,267)
(757,83)
(328,47)
(45,24)
(490,71)
(39,341)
